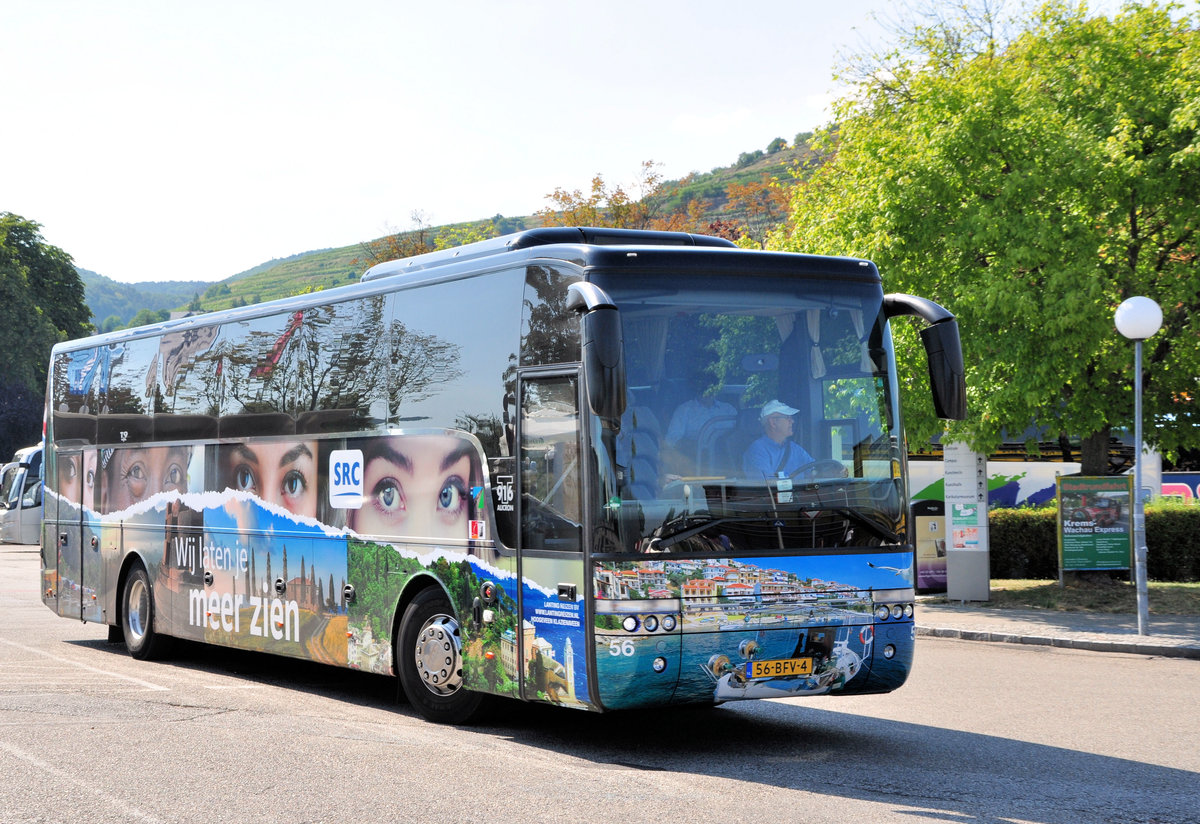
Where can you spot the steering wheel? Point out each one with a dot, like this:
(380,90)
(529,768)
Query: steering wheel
(824,468)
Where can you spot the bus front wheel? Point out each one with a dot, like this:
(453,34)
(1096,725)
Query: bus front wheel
(138,618)
(429,661)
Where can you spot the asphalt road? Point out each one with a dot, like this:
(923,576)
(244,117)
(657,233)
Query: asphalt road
(981,733)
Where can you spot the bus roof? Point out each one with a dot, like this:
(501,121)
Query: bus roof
(596,248)
(566,235)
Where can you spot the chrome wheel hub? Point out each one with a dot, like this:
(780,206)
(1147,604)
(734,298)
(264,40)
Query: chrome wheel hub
(438,655)
(137,610)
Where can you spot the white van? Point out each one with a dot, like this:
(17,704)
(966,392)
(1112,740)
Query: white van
(21,497)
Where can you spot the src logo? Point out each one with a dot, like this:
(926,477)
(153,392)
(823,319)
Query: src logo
(346,478)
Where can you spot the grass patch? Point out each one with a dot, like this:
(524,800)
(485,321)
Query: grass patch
(1091,594)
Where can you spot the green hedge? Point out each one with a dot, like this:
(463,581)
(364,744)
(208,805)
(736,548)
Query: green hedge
(1024,542)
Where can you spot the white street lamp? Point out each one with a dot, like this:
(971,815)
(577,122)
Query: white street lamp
(1137,319)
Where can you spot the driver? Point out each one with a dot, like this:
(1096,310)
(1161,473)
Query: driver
(775,455)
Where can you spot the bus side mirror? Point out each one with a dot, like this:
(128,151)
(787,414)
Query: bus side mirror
(943,350)
(946,374)
(603,348)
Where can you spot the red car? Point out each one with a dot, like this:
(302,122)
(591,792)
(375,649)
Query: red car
(1103,511)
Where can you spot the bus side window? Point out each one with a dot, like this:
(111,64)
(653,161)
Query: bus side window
(551,501)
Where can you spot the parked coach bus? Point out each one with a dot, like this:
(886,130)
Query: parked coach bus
(525,467)
(21,497)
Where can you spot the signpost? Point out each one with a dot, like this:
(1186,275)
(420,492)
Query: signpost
(968,576)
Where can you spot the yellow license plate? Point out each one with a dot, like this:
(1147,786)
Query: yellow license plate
(779,668)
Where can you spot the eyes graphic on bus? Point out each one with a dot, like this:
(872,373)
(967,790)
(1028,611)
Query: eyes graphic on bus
(133,475)
(283,473)
(388,497)
(416,486)
(77,483)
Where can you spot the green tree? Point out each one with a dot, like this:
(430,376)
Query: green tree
(746,158)
(507,225)
(146,317)
(55,285)
(41,302)
(1030,185)
(453,236)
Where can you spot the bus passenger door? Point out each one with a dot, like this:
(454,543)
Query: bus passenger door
(553,652)
(79,567)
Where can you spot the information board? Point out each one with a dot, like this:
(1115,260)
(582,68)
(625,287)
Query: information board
(1095,530)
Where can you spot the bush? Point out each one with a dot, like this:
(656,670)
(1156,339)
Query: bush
(1173,542)
(1024,542)
(746,158)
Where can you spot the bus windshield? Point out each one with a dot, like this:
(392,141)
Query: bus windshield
(761,416)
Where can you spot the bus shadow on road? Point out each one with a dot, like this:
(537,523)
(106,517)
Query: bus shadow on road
(340,684)
(931,772)
(949,775)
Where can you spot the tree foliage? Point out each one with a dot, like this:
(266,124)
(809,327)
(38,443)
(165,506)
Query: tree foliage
(423,238)
(53,282)
(1030,185)
(645,207)
(761,204)
(146,317)
(41,302)
(398,245)
(107,298)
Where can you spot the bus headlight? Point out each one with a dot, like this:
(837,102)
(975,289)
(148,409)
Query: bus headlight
(908,610)
(630,623)
(660,664)
(897,612)
(651,623)
(668,622)
(881,612)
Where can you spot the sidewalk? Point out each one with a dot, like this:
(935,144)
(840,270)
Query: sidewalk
(1175,636)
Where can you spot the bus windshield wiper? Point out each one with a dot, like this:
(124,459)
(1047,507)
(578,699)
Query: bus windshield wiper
(691,525)
(876,528)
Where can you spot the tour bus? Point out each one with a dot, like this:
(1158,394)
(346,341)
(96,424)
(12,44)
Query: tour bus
(21,497)
(517,468)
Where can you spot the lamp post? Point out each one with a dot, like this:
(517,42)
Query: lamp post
(1137,319)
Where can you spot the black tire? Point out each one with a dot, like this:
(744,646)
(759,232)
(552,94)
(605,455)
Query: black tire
(428,656)
(142,640)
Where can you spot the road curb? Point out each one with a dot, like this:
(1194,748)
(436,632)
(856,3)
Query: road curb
(1130,646)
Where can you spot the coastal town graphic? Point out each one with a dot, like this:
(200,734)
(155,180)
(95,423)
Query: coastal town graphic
(724,587)
(808,616)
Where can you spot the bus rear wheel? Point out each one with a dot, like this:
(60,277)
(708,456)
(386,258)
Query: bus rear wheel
(429,661)
(138,617)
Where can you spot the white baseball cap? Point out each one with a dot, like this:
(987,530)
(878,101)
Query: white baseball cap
(778,408)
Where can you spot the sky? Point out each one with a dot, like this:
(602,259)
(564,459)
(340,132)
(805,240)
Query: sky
(164,140)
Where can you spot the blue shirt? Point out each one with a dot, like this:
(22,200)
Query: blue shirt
(767,458)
